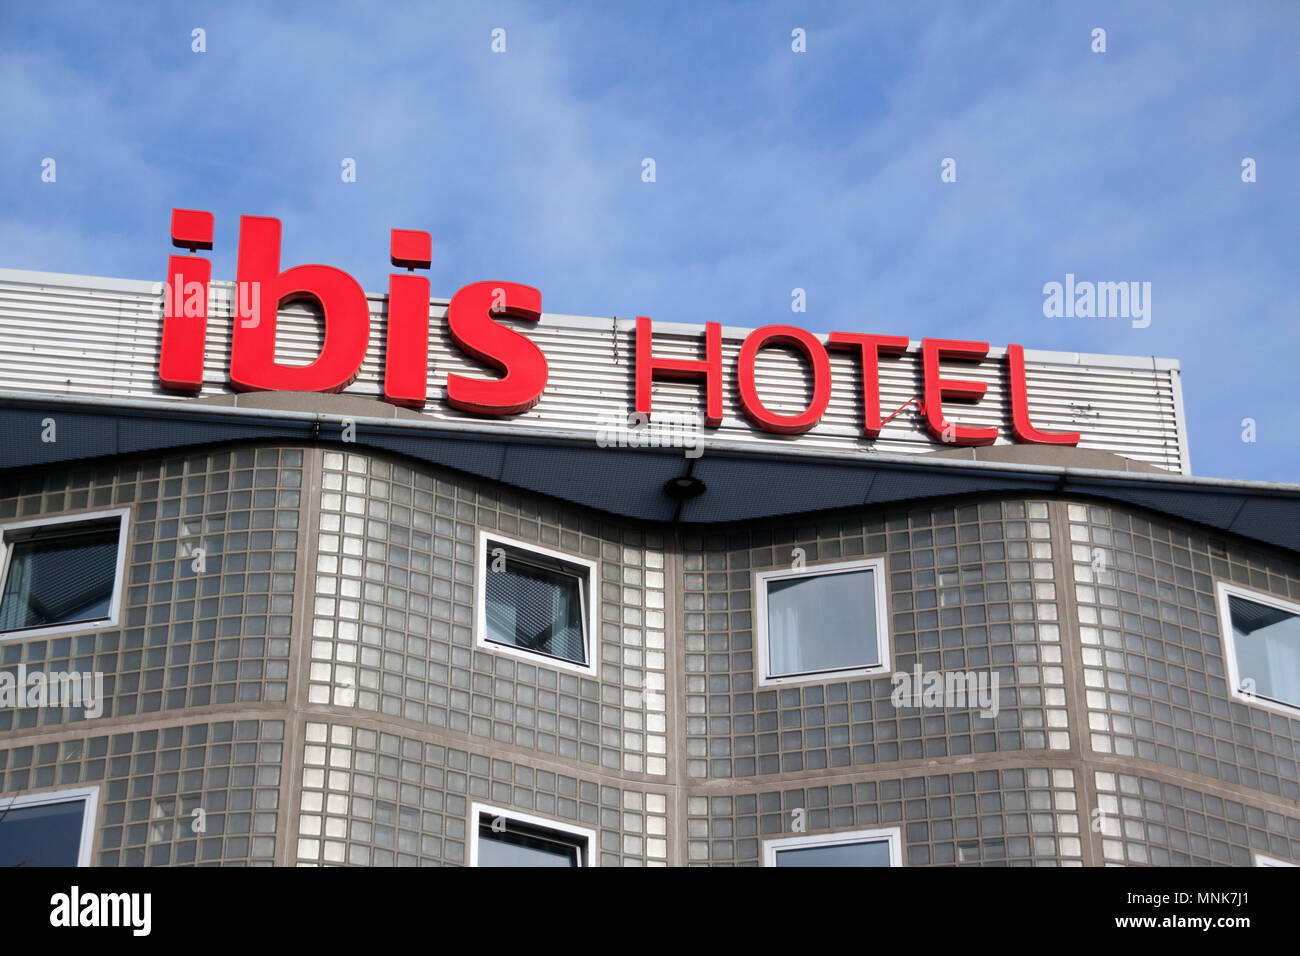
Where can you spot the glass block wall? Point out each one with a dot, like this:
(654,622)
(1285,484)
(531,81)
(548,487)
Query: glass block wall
(296,659)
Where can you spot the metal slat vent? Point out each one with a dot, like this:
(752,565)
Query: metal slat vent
(71,335)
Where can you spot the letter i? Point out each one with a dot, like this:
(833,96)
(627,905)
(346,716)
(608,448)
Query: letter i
(185,303)
(406,362)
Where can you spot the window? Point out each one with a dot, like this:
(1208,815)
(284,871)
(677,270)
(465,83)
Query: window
(857,848)
(535,603)
(48,829)
(1262,860)
(1262,647)
(824,621)
(506,838)
(61,574)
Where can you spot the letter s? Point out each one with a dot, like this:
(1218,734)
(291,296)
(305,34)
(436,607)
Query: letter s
(471,320)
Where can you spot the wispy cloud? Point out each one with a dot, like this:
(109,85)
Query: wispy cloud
(775,170)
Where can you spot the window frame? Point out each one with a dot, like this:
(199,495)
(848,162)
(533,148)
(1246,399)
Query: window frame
(884,646)
(31,528)
(585,570)
(893,836)
(587,857)
(89,796)
(1223,591)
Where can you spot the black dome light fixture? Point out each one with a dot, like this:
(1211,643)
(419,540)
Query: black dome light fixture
(684,487)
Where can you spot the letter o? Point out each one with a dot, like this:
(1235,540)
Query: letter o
(812,350)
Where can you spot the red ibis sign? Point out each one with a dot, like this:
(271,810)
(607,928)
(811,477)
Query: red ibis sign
(474,322)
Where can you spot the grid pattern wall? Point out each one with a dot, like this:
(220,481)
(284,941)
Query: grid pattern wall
(394,554)
(970,589)
(151,782)
(371,798)
(196,629)
(1009,817)
(1146,821)
(1153,655)
(392,631)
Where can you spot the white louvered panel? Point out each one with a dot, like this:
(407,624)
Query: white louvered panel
(73,335)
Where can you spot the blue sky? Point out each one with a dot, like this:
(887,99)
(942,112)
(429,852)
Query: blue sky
(774,170)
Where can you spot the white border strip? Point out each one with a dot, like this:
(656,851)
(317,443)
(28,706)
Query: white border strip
(119,579)
(884,649)
(89,812)
(591,852)
(180,410)
(589,589)
(892,835)
(1225,590)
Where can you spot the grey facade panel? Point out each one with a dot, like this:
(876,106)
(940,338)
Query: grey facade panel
(177,795)
(1154,658)
(319,689)
(630,482)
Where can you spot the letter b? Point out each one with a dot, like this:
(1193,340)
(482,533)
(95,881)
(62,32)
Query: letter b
(340,297)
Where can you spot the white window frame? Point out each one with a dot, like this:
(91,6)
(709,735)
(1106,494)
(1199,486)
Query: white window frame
(587,573)
(1262,860)
(1224,591)
(883,647)
(119,581)
(891,835)
(590,852)
(89,812)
